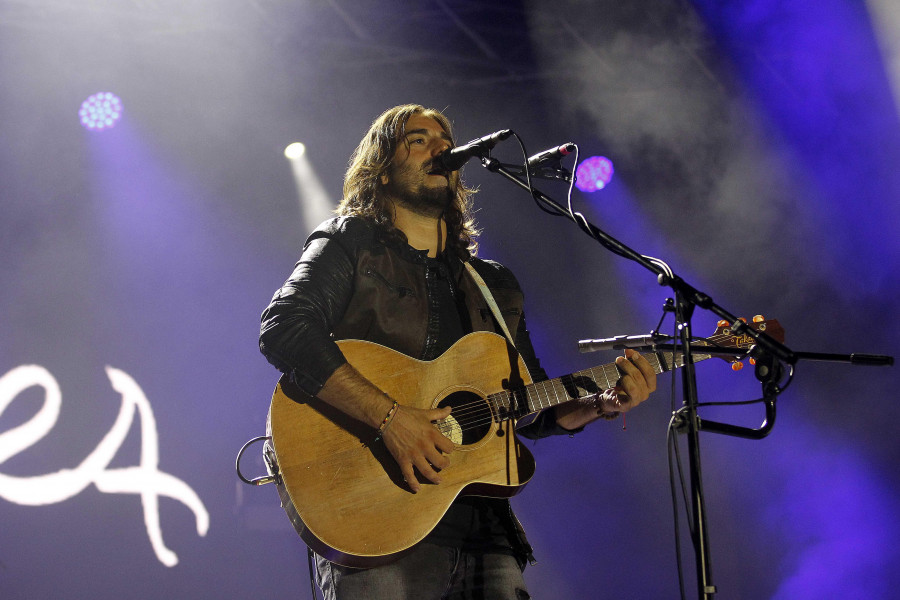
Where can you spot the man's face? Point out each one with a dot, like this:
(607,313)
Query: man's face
(413,180)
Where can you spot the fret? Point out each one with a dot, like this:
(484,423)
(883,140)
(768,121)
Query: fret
(541,386)
(664,361)
(521,403)
(500,403)
(611,375)
(557,388)
(551,392)
(608,375)
(598,376)
(535,402)
(494,403)
(534,397)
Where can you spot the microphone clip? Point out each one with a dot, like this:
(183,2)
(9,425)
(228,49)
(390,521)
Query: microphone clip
(545,171)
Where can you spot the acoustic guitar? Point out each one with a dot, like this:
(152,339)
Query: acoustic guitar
(344,492)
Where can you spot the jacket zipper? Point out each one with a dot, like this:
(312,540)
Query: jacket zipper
(397,289)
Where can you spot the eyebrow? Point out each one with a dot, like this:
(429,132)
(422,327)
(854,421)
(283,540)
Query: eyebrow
(443,134)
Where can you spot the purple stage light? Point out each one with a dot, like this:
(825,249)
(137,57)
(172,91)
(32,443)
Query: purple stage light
(100,111)
(593,174)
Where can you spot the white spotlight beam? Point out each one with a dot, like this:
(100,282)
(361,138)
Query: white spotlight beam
(315,204)
(885,17)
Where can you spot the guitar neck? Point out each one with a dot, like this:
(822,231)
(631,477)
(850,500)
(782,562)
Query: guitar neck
(539,396)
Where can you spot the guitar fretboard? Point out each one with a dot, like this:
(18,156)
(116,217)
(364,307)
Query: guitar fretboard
(538,396)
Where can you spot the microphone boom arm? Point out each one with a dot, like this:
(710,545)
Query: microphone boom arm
(678,285)
(687,298)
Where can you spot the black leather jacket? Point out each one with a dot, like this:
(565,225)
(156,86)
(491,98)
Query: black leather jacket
(351,283)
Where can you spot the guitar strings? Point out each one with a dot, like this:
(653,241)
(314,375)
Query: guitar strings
(483,410)
(500,401)
(467,421)
(478,413)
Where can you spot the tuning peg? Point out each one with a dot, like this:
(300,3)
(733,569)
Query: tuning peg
(722,323)
(752,361)
(737,366)
(758,319)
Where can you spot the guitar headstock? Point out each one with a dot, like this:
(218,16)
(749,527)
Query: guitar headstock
(725,337)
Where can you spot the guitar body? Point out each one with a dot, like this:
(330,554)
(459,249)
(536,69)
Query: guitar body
(345,494)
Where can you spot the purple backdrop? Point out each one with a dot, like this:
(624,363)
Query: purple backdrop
(755,147)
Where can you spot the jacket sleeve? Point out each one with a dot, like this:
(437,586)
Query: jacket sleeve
(295,333)
(544,424)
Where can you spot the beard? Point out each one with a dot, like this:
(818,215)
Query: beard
(424,200)
(412,193)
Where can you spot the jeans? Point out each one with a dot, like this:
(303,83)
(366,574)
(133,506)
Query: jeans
(428,572)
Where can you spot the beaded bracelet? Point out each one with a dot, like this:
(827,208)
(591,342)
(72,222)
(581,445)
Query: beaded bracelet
(609,416)
(387,420)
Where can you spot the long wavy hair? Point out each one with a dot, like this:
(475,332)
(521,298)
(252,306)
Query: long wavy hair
(364,194)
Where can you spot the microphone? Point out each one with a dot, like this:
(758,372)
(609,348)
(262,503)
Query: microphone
(620,342)
(554,153)
(454,158)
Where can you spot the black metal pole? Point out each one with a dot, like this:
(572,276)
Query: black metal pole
(684,310)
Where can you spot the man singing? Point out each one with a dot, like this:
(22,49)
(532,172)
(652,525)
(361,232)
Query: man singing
(392,269)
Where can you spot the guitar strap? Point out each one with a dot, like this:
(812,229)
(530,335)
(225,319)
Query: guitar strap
(486,292)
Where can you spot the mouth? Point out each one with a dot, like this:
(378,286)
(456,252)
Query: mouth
(439,172)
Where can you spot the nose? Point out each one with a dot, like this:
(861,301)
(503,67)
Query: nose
(439,146)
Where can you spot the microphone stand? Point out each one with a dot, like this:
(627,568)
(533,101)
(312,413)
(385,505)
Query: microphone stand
(769,354)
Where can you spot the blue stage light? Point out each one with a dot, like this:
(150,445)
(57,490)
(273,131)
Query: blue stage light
(593,174)
(100,111)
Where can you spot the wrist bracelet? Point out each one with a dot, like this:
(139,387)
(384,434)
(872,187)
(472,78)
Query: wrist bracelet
(609,416)
(387,420)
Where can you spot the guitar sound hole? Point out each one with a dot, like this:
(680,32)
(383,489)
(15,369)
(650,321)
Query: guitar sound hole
(470,420)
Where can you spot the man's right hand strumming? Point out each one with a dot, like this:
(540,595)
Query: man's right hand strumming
(410,435)
(415,442)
